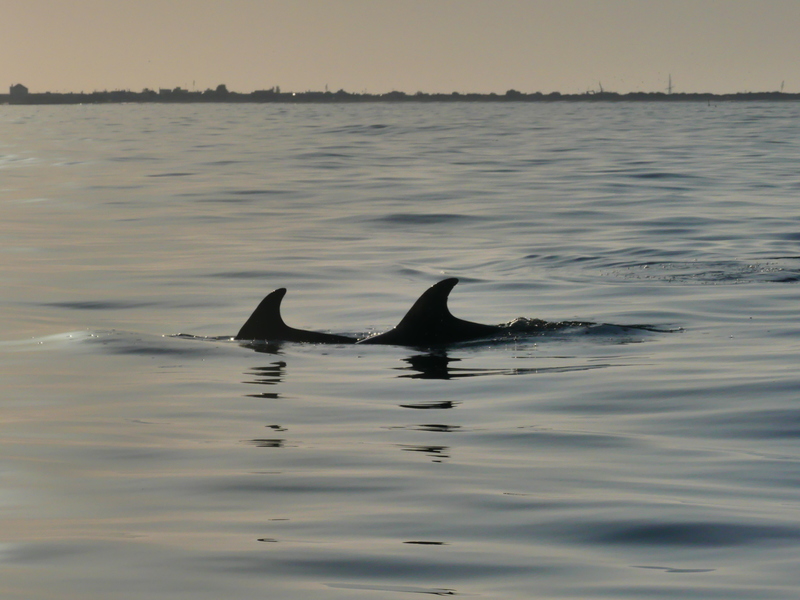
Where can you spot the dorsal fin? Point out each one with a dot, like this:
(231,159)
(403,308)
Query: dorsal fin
(430,323)
(430,309)
(266,323)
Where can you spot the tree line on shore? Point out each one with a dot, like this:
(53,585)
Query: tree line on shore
(20,95)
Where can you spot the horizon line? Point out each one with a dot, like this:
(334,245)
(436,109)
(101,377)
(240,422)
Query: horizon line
(222,89)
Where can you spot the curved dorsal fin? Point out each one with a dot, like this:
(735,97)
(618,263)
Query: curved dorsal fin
(266,323)
(430,309)
(430,323)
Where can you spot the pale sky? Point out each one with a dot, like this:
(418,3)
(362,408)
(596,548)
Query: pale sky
(377,46)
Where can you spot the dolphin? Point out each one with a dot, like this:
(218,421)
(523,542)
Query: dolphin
(266,324)
(427,324)
(430,323)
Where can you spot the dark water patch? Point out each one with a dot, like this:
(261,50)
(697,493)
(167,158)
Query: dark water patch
(693,534)
(708,272)
(537,437)
(134,158)
(310,156)
(120,187)
(537,162)
(221,163)
(663,225)
(610,264)
(561,259)
(322,486)
(218,200)
(255,274)
(683,591)
(766,424)
(43,552)
(345,564)
(151,350)
(397,219)
(526,502)
(673,569)
(100,305)
(625,331)
(661,175)
(131,344)
(260,192)
(357,129)
(408,589)
(406,568)
(175,174)
(499,170)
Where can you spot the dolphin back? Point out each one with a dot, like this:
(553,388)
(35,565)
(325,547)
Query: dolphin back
(266,323)
(430,323)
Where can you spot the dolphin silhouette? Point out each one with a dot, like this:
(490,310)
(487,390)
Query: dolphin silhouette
(266,323)
(430,323)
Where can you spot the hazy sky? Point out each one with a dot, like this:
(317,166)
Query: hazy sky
(409,45)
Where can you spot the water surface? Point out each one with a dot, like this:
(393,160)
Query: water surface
(603,462)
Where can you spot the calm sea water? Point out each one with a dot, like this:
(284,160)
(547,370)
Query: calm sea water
(589,463)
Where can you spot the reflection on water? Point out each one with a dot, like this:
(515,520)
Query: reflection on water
(437,453)
(444,404)
(431,427)
(267,395)
(425,543)
(436,365)
(267,443)
(673,569)
(436,428)
(265,347)
(270,375)
(430,366)
(408,589)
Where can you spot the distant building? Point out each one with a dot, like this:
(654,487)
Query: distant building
(18,91)
(172,92)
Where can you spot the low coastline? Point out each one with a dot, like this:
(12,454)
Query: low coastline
(274,95)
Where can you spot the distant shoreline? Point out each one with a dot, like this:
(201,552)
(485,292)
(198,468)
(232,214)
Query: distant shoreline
(20,96)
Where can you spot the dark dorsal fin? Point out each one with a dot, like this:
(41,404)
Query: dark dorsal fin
(430,323)
(266,324)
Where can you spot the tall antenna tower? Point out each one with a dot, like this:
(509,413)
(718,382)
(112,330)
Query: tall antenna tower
(669,85)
